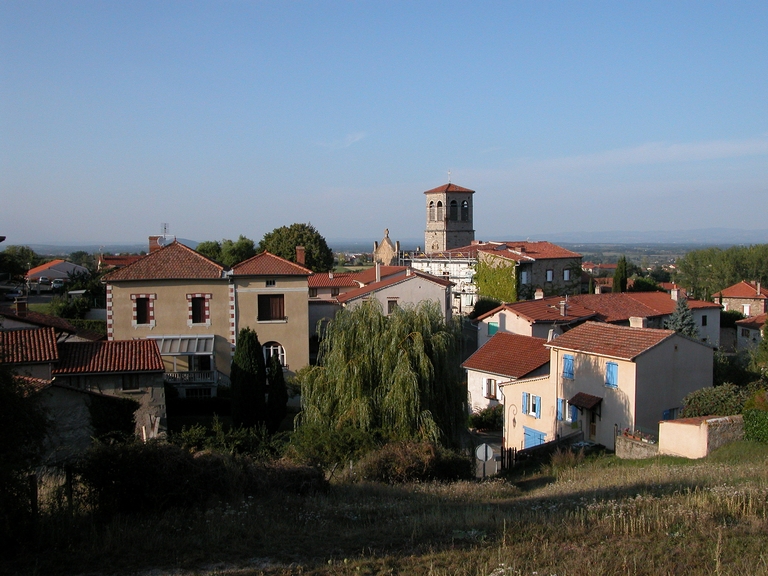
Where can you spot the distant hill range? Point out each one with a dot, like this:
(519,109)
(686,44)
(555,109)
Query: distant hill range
(691,238)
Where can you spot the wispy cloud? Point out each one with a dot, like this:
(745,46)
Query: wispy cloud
(656,153)
(345,142)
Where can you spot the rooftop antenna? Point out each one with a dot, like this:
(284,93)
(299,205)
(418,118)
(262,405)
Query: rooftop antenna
(165,239)
(449,176)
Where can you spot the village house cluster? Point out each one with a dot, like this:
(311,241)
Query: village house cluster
(560,361)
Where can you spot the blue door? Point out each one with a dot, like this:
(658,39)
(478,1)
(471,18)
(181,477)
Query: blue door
(532,437)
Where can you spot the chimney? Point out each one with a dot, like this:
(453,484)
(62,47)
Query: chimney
(520,248)
(675,293)
(539,294)
(758,287)
(330,275)
(21,307)
(378,272)
(638,322)
(563,307)
(300,255)
(154,243)
(407,271)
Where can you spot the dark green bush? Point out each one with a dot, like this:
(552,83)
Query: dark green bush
(326,448)
(488,419)
(155,476)
(756,417)
(399,462)
(724,400)
(255,442)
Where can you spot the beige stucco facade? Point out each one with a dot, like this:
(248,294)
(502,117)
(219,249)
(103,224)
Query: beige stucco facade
(412,290)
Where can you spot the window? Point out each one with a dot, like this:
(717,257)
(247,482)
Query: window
(525,277)
(568,366)
(198,310)
(142,310)
(334,292)
(493,327)
(560,409)
(567,275)
(532,405)
(704,320)
(197,393)
(612,375)
(745,309)
(270,283)
(271,307)
(391,306)
(439,211)
(313,292)
(454,210)
(745,332)
(550,275)
(131,382)
(464,211)
(432,216)
(489,388)
(274,349)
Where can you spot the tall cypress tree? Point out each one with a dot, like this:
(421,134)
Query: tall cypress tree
(249,381)
(277,402)
(681,320)
(620,276)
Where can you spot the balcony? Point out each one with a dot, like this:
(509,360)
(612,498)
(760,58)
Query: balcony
(191,378)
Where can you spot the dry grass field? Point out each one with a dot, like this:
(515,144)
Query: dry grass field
(594,516)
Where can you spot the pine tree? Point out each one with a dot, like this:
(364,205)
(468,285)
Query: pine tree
(681,320)
(249,381)
(277,403)
(396,376)
(620,276)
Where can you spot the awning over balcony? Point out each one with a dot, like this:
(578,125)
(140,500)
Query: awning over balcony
(184,345)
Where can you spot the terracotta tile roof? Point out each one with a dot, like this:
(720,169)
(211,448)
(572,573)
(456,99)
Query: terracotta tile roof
(38,319)
(744,290)
(332,280)
(610,340)
(753,322)
(173,262)
(510,355)
(267,264)
(28,346)
(523,251)
(33,384)
(621,306)
(43,267)
(584,400)
(390,281)
(107,261)
(449,188)
(112,356)
(369,275)
(544,310)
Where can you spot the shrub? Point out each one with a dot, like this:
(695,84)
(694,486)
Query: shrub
(488,419)
(255,441)
(399,462)
(724,400)
(326,448)
(756,417)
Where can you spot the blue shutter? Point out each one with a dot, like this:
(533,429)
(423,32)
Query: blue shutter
(538,406)
(612,375)
(568,366)
(560,402)
(525,402)
(574,413)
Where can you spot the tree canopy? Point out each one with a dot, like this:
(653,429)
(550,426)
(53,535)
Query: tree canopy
(396,377)
(228,252)
(17,260)
(249,380)
(703,273)
(283,241)
(681,320)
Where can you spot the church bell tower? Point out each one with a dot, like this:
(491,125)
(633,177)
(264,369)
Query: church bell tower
(449,218)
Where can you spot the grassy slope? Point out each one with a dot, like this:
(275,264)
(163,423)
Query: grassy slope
(604,516)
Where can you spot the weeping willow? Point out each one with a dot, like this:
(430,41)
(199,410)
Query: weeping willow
(396,375)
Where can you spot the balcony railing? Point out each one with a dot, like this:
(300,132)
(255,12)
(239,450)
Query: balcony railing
(191,378)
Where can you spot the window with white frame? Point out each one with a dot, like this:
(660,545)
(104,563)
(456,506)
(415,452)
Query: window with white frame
(532,405)
(525,277)
(274,349)
(612,375)
(490,389)
(567,275)
(143,309)
(198,309)
(566,412)
(550,275)
(745,309)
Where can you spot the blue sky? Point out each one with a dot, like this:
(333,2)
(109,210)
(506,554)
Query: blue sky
(227,118)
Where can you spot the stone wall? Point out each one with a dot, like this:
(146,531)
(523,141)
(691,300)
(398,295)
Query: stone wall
(630,449)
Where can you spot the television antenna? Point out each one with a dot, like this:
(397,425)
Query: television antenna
(166,238)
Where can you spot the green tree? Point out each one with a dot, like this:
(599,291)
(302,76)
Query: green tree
(644,285)
(17,260)
(249,380)
(283,241)
(21,445)
(83,258)
(396,377)
(620,276)
(210,249)
(277,402)
(760,360)
(681,320)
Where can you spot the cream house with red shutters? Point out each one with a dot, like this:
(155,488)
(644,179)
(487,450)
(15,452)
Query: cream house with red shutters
(194,308)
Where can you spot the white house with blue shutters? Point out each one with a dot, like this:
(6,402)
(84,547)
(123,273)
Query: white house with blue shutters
(604,378)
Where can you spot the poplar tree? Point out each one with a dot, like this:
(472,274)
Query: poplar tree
(395,377)
(249,381)
(620,276)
